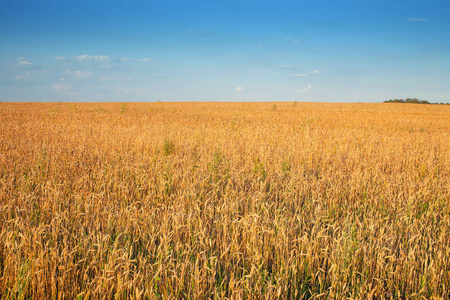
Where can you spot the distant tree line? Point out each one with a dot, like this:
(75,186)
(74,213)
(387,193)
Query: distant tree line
(412,100)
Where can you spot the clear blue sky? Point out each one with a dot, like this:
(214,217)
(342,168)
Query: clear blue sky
(229,50)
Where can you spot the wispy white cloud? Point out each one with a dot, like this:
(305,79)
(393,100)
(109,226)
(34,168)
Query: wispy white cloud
(124,59)
(145,59)
(21,61)
(304,90)
(82,74)
(60,58)
(300,75)
(99,58)
(27,74)
(58,86)
(295,41)
(417,20)
(238,89)
(24,63)
(79,74)
(315,72)
(84,57)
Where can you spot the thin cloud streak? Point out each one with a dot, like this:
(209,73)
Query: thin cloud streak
(295,41)
(22,61)
(304,90)
(315,72)
(98,58)
(79,74)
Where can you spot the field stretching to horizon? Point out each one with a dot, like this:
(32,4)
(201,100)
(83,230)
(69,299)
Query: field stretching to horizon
(224,201)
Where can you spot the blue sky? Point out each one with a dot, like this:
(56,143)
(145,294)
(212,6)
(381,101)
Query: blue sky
(210,50)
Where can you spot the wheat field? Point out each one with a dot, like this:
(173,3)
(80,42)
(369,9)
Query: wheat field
(224,201)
